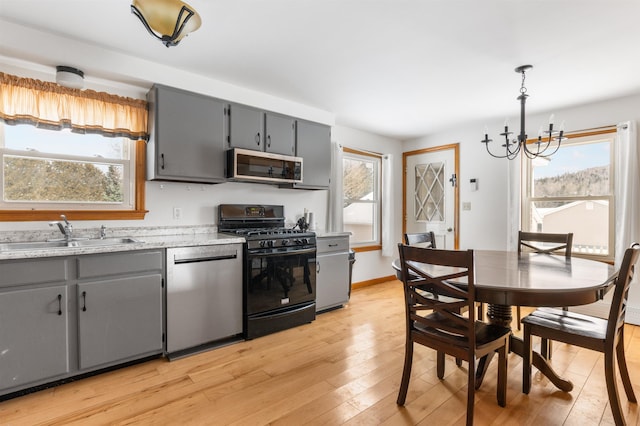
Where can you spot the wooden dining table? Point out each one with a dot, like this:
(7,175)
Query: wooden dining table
(504,279)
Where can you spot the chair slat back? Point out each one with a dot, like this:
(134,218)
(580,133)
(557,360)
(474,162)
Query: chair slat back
(563,242)
(423,238)
(618,308)
(433,271)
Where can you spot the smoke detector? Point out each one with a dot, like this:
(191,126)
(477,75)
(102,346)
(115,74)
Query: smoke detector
(69,77)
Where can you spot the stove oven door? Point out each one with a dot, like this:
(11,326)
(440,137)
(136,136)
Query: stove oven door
(280,279)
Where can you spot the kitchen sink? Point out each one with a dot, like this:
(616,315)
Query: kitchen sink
(79,242)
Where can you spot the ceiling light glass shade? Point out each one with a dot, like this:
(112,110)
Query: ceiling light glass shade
(167,20)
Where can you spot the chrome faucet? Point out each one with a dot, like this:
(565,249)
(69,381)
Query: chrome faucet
(103,232)
(66,228)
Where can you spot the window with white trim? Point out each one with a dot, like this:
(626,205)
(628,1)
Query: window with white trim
(362,197)
(60,170)
(573,191)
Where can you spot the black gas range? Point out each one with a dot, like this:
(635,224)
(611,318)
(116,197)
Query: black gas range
(279,267)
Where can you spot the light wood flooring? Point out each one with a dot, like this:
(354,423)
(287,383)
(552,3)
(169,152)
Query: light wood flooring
(344,368)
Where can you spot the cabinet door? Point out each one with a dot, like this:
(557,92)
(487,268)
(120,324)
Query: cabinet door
(245,127)
(332,280)
(188,136)
(119,319)
(313,144)
(34,342)
(280,134)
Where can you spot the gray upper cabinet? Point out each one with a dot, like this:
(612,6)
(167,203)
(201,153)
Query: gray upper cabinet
(252,128)
(246,127)
(280,134)
(313,144)
(187,136)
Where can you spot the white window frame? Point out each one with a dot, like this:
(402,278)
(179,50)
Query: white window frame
(128,164)
(527,199)
(376,243)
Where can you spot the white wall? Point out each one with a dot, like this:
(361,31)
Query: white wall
(485,225)
(371,264)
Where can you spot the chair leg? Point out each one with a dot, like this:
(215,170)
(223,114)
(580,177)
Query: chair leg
(526,360)
(471,391)
(612,389)
(624,372)
(546,348)
(518,317)
(502,376)
(440,365)
(406,373)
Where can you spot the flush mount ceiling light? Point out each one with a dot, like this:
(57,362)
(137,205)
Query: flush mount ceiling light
(548,140)
(167,20)
(69,77)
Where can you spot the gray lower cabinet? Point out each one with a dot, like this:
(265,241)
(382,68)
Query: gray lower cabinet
(332,272)
(119,307)
(34,341)
(63,316)
(313,144)
(119,319)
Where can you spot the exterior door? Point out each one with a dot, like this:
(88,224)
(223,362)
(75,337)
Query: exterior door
(431,193)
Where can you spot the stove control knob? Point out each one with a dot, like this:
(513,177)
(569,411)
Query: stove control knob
(270,243)
(285,242)
(263,243)
(304,241)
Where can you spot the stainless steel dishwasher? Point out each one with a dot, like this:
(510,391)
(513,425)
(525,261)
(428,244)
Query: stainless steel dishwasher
(204,297)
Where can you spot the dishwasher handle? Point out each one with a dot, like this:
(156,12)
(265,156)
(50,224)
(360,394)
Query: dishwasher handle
(180,261)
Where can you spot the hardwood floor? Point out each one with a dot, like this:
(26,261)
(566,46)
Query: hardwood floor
(344,368)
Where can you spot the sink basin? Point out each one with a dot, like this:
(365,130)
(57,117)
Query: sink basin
(102,242)
(45,245)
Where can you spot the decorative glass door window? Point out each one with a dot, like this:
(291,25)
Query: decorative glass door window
(429,192)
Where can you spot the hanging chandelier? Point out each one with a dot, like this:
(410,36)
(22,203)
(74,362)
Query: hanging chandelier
(548,140)
(167,20)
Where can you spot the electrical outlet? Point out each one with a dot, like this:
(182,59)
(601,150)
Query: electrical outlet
(177,213)
(466,206)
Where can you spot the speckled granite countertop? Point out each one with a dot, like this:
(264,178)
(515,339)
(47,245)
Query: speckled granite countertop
(149,238)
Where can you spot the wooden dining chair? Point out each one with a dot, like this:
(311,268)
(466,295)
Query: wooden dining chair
(422,238)
(437,322)
(428,240)
(543,242)
(602,335)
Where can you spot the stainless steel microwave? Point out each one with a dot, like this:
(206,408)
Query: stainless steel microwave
(258,166)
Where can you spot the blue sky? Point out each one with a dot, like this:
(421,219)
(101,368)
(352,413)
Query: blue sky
(573,158)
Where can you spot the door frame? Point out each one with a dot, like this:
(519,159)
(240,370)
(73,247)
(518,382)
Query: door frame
(456,190)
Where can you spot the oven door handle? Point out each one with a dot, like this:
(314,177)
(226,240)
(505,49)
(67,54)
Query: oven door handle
(283,253)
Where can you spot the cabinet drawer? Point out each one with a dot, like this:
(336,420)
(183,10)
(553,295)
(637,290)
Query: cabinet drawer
(20,272)
(101,265)
(328,244)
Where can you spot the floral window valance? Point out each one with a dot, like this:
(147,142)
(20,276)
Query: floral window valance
(48,105)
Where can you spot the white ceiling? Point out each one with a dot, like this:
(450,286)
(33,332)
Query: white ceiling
(400,68)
